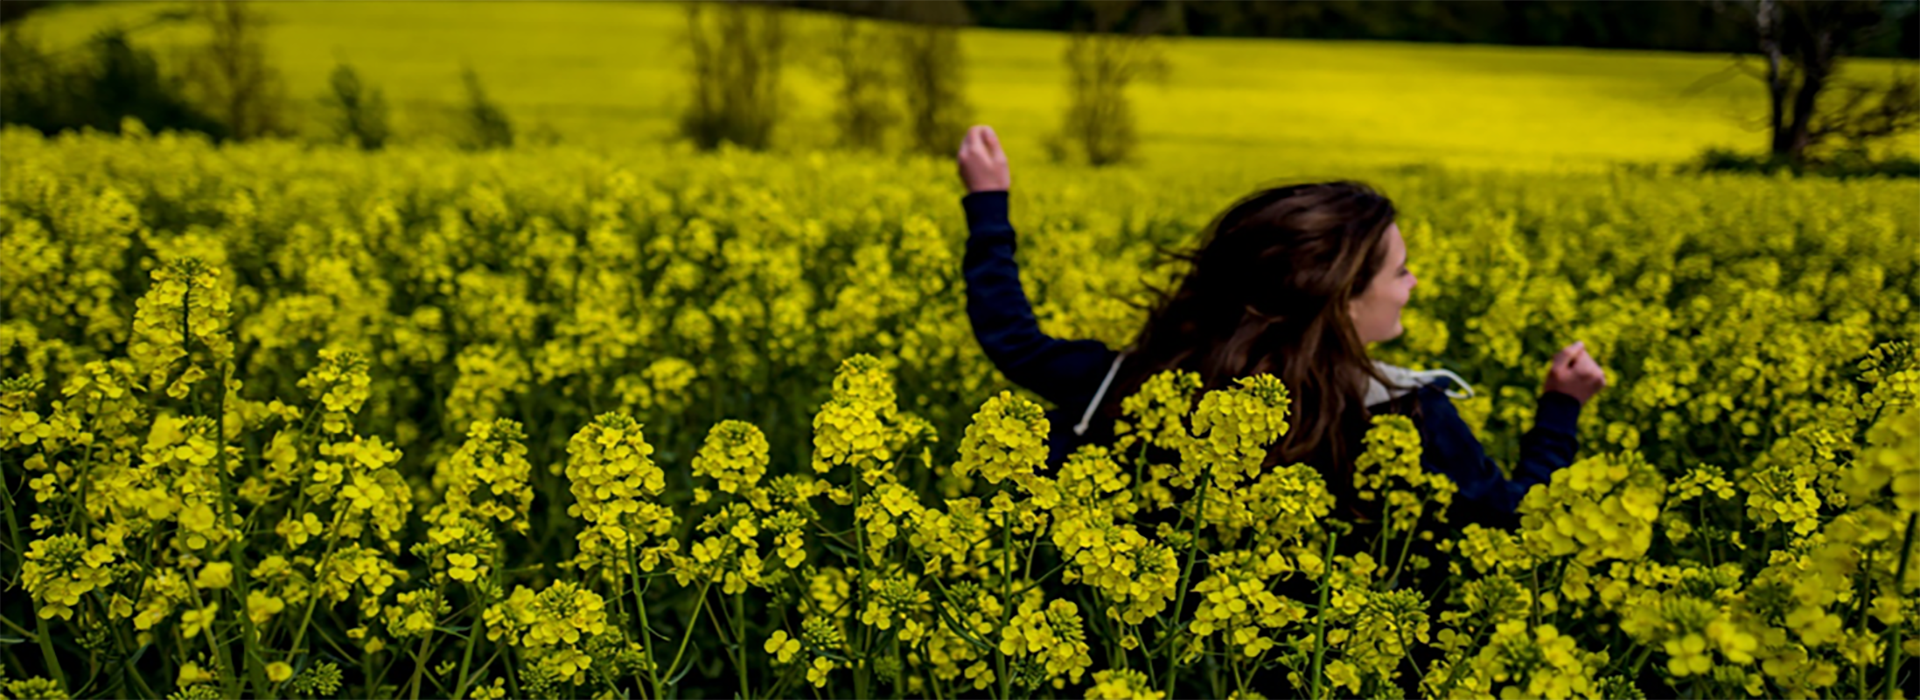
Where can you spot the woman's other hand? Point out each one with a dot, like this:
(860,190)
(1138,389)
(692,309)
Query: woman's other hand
(1575,374)
(983,166)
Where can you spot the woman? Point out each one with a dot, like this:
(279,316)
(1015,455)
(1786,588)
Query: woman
(1293,281)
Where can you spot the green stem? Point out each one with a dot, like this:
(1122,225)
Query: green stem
(1533,606)
(1006,603)
(419,667)
(1153,676)
(728,636)
(366,672)
(692,622)
(1386,534)
(15,626)
(740,639)
(229,679)
(1860,620)
(473,633)
(1406,653)
(1638,662)
(1405,549)
(1894,651)
(313,597)
(1320,617)
(236,549)
(41,633)
(646,628)
(1139,468)
(1700,510)
(1233,663)
(859,662)
(1186,578)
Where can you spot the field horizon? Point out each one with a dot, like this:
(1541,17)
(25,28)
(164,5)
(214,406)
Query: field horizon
(611,74)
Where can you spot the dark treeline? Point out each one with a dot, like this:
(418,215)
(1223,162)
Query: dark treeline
(1672,25)
(1662,25)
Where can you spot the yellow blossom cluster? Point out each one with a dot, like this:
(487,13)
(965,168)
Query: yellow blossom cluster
(488,477)
(1390,468)
(1156,414)
(1135,574)
(1596,509)
(1232,429)
(1049,634)
(614,482)
(1007,440)
(183,317)
(62,568)
(1537,662)
(360,479)
(1273,514)
(1238,603)
(1743,527)
(1891,461)
(553,626)
(340,384)
(1122,684)
(851,427)
(735,455)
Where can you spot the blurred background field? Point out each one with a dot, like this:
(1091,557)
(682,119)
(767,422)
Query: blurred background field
(555,242)
(606,74)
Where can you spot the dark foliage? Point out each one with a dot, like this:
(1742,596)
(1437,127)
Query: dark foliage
(359,113)
(109,80)
(1612,24)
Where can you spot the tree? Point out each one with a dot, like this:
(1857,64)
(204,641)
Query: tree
(927,54)
(230,73)
(13,11)
(486,124)
(863,113)
(111,79)
(900,63)
(1906,15)
(126,81)
(1107,51)
(737,48)
(1803,43)
(359,113)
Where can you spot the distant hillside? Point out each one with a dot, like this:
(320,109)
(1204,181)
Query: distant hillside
(611,73)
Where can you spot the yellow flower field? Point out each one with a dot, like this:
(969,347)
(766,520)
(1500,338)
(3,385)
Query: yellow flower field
(286,421)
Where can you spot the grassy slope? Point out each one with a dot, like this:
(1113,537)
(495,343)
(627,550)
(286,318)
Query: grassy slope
(608,73)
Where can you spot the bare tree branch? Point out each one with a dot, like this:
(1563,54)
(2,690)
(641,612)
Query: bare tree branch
(1804,43)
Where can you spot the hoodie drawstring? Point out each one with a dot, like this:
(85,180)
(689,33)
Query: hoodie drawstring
(1087,417)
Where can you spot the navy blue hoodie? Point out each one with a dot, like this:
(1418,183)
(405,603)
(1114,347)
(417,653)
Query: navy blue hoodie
(1068,374)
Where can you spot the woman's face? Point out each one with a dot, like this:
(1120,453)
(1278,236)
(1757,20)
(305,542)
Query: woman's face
(1376,311)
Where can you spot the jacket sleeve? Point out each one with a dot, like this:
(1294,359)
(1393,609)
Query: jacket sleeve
(1486,496)
(1064,372)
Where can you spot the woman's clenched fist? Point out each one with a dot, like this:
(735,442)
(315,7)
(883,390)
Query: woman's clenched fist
(1575,374)
(983,166)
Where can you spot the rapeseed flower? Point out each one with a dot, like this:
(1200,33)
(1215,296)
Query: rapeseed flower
(489,475)
(1598,508)
(735,454)
(61,569)
(1051,635)
(613,481)
(1006,440)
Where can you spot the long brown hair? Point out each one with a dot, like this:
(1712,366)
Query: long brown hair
(1267,293)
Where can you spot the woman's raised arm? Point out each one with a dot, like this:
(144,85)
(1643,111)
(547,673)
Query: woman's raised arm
(1064,372)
